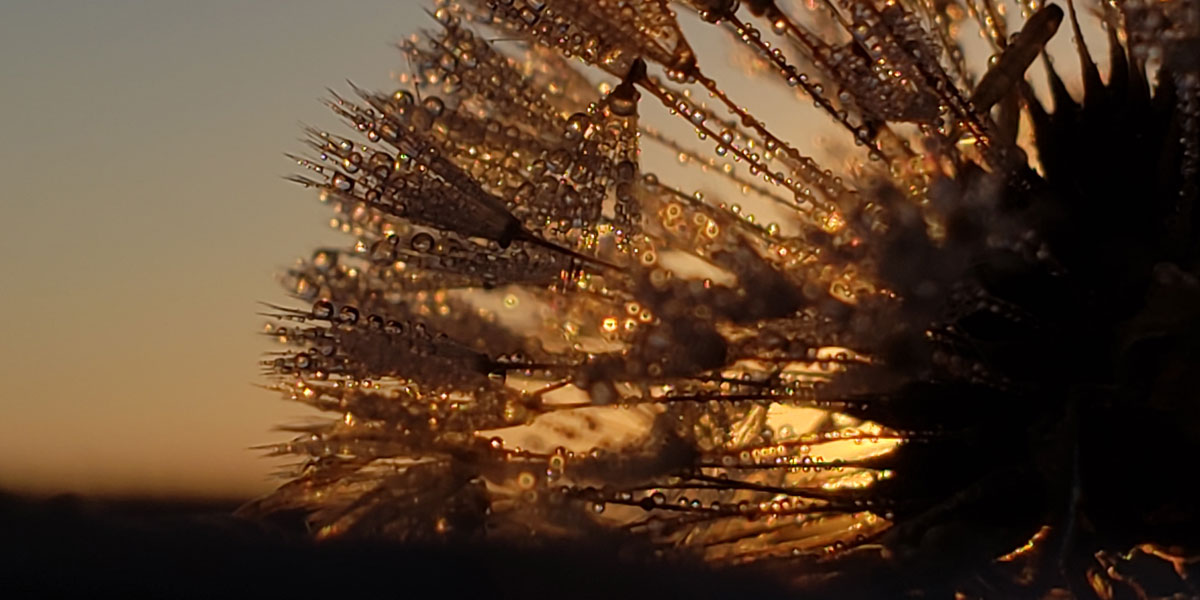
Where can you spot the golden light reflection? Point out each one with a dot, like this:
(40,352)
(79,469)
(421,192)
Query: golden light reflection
(811,449)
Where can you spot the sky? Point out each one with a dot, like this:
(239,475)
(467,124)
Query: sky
(144,215)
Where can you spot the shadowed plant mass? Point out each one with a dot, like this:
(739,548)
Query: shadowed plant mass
(949,347)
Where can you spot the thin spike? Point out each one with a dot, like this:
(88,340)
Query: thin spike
(1093,86)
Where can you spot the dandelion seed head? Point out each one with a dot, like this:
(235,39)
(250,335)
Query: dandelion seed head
(535,335)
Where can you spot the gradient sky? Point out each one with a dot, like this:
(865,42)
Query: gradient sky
(144,214)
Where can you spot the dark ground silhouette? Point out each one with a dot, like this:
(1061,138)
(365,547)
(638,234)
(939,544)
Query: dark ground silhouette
(78,547)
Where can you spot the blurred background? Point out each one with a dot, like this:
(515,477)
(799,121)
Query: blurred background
(144,214)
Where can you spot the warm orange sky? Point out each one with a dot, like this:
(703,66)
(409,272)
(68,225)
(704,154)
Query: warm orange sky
(144,214)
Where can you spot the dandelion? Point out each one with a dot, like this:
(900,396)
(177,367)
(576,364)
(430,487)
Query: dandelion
(957,359)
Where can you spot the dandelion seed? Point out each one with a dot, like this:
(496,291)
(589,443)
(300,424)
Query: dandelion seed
(944,363)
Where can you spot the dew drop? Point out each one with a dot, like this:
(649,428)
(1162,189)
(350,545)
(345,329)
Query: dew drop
(623,100)
(402,98)
(422,242)
(322,309)
(577,125)
(348,315)
(342,183)
(324,260)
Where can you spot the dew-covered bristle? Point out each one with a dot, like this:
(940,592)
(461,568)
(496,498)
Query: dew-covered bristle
(535,334)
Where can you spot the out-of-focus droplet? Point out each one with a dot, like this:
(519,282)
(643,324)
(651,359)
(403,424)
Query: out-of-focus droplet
(422,242)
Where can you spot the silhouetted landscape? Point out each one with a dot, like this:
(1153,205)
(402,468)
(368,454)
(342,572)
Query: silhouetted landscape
(75,546)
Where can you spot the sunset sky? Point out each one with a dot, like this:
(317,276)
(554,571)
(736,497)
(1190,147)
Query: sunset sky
(145,214)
